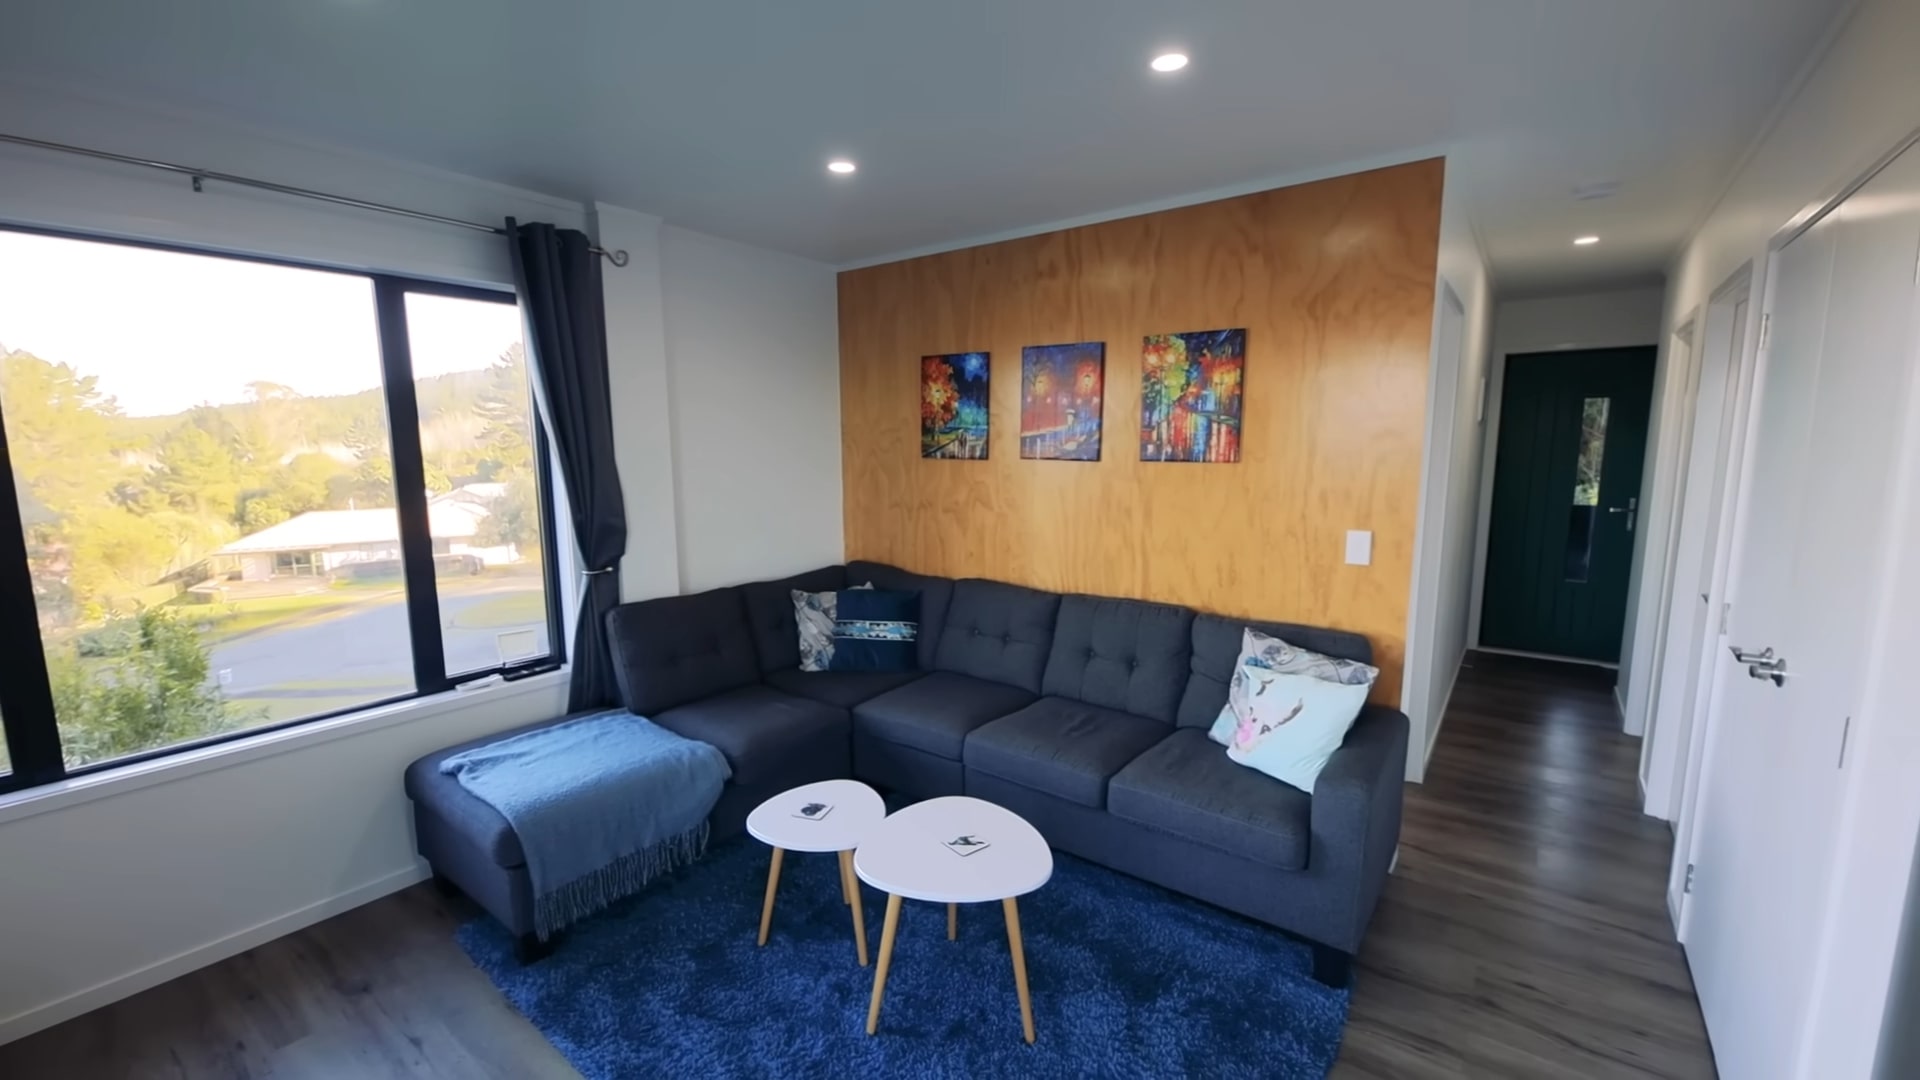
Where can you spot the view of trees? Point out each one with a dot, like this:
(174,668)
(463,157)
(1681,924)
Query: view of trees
(122,512)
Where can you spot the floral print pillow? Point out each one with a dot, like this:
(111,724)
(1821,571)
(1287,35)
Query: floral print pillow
(814,612)
(1264,651)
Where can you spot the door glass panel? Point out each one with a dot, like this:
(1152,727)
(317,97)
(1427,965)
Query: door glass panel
(205,479)
(483,498)
(1586,487)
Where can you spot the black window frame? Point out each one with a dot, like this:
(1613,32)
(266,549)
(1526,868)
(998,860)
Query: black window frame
(27,720)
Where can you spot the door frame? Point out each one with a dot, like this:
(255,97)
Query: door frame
(1879,813)
(1665,485)
(1675,800)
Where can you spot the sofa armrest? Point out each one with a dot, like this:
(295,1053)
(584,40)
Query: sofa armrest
(1356,811)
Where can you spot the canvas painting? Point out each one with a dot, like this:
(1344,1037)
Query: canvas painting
(1060,393)
(1190,396)
(953,405)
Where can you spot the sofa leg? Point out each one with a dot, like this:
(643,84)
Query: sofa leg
(529,949)
(1332,966)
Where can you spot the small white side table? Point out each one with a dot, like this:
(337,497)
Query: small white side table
(779,822)
(910,856)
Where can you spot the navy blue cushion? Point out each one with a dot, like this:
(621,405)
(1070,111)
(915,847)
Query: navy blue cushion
(876,630)
(776,636)
(1216,648)
(1123,654)
(998,632)
(678,648)
(1063,748)
(936,593)
(935,713)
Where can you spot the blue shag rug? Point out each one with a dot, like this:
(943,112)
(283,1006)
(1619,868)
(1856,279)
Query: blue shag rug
(1127,980)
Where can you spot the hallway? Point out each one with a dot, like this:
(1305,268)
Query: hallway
(1525,931)
(1523,934)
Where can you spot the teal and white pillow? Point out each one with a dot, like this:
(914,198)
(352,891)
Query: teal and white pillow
(1272,654)
(1292,723)
(814,612)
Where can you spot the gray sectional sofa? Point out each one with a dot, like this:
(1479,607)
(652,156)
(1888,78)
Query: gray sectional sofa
(1087,716)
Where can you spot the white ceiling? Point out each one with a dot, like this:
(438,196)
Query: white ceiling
(976,118)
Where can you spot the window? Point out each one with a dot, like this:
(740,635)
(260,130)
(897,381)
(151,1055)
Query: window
(241,494)
(1586,487)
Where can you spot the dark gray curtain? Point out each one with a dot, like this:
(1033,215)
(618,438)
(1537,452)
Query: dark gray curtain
(558,279)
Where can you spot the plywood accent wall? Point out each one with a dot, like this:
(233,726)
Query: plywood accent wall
(1334,283)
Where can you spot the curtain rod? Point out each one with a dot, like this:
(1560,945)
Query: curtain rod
(199,176)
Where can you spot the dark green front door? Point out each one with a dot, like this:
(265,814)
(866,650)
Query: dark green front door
(1566,490)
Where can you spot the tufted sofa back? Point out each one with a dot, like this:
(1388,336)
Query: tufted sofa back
(1216,646)
(1120,654)
(677,649)
(998,632)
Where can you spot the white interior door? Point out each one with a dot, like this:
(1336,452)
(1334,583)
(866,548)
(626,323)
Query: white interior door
(1811,527)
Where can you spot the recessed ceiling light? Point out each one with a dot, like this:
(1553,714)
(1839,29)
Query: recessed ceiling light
(1167,63)
(841,166)
(1583,241)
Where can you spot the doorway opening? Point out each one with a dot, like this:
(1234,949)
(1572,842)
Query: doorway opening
(1566,502)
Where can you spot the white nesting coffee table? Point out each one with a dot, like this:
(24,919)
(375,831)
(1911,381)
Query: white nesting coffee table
(784,823)
(912,856)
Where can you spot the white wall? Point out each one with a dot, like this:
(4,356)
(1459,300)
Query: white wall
(1855,105)
(753,348)
(1437,619)
(1614,318)
(109,888)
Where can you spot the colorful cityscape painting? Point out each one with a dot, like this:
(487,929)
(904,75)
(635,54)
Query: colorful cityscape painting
(1190,396)
(953,405)
(1060,391)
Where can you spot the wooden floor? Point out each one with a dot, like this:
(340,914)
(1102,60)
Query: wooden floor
(1523,934)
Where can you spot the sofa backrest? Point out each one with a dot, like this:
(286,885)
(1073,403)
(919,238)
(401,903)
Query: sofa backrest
(1121,654)
(776,633)
(1216,645)
(999,632)
(936,596)
(677,649)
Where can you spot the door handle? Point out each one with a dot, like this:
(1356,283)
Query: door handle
(1762,665)
(1632,510)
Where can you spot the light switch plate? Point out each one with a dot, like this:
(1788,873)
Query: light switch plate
(1359,547)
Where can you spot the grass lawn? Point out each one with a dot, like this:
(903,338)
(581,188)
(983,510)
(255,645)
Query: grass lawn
(219,622)
(520,608)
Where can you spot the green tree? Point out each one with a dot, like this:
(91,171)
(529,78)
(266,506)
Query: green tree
(60,432)
(157,693)
(505,410)
(513,518)
(196,472)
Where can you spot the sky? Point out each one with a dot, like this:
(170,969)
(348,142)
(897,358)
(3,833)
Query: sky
(166,331)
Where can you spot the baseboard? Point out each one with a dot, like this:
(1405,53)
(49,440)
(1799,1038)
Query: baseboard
(85,1001)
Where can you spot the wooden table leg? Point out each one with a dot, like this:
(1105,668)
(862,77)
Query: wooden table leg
(773,882)
(953,922)
(1019,965)
(886,958)
(851,884)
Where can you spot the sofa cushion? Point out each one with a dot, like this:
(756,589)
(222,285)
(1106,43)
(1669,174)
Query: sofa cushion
(462,812)
(1216,653)
(936,593)
(1123,654)
(1065,748)
(998,632)
(935,713)
(1186,786)
(757,728)
(676,649)
(843,688)
(776,634)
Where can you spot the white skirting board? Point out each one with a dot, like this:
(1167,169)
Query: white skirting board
(55,1012)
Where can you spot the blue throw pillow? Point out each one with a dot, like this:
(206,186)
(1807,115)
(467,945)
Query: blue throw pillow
(875,630)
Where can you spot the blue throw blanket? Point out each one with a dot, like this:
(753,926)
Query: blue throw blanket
(601,804)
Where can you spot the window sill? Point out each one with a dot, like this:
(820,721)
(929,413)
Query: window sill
(111,782)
